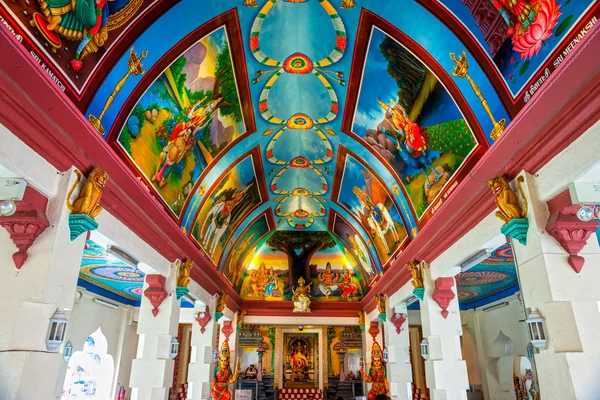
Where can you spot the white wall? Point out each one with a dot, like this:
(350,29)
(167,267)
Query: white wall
(483,328)
(121,336)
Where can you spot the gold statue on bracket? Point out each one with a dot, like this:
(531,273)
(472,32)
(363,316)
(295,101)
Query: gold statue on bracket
(417,278)
(220,306)
(88,200)
(301,297)
(86,207)
(185,269)
(183,278)
(507,202)
(509,211)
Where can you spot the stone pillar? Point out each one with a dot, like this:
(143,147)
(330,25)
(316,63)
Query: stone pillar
(567,300)
(445,370)
(45,282)
(152,370)
(399,368)
(201,369)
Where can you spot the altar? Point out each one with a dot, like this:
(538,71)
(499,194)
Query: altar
(300,363)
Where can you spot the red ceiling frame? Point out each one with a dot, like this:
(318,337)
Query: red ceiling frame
(37,112)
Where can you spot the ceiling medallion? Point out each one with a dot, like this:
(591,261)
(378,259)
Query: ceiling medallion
(300,192)
(300,121)
(300,213)
(298,64)
(300,162)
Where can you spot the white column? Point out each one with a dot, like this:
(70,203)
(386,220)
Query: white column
(152,370)
(399,367)
(30,296)
(445,370)
(569,302)
(200,371)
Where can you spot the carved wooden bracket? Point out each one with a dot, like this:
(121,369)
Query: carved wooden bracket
(398,319)
(27,224)
(203,318)
(571,233)
(374,329)
(155,292)
(443,294)
(227,329)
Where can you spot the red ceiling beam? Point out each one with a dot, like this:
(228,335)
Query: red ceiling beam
(565,106)
(37,112)
(317,308)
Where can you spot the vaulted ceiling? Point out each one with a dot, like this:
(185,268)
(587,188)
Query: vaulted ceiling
(248,120)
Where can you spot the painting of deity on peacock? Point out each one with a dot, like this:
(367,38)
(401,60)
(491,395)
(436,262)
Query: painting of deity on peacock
(408,118)
(185,119)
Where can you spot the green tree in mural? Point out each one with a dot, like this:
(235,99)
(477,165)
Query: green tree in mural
(225,86)
(299,247)
(406,69)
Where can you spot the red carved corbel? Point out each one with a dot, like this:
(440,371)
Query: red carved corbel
(374,329)
(398,319)
(26,224)
(443,294)
(227,329)
(571,233)
(203,318)
(155,292)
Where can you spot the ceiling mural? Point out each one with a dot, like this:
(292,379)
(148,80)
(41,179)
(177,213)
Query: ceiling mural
(255,122)
(106,272)
(269,272)
(494,278)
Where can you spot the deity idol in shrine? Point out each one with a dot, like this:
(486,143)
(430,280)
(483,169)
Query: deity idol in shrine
(223,375)
(377,375)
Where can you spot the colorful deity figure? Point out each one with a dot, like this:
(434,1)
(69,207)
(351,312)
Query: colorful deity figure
(377,374)
(76,20)
(259,279)
(346,286)
(327,281)
(410,141)
(529,23)
(299,362)
(176,149)
(224,375)
(301,296)
(271,286)
(377,217)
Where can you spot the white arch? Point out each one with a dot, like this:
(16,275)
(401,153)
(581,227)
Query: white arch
(90,371)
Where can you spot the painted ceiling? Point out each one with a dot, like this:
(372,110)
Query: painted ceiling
(106,275)
(491,280)
(251,119)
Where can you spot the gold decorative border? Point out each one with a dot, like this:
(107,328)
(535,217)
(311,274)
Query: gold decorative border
(123,16)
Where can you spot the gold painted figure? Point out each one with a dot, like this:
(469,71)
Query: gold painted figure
(507,202)
(361,318)
(221,302)
(301,297)
(415,271)
(380,299)
(88,200)
(185,268)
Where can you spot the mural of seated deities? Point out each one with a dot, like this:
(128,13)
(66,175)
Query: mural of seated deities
(299,247)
